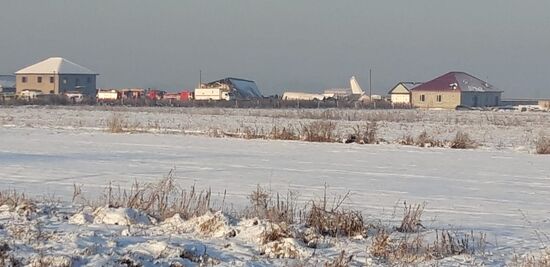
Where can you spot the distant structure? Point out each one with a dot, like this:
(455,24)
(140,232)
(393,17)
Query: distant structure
(401,92)
(7,87)
(455,89)
(544,104)
(56,75)
(228,89)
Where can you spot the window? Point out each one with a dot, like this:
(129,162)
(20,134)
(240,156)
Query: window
(52,79)
(77,82)
(23,79)
(39,79)
(496,100)
(64,80)
(88,80)
(422,98)
(439,97)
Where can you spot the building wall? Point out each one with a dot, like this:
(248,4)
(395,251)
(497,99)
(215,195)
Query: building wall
(400,98)
(449,99)
(32,83)
(400,88)
(481,99)
(61,83)
(84,83)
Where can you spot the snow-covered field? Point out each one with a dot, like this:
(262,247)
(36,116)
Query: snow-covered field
(500,189)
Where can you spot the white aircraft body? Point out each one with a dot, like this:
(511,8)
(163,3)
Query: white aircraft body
(302,96)
(355,93)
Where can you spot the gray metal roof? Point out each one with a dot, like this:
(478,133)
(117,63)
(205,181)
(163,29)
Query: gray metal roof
(241,88)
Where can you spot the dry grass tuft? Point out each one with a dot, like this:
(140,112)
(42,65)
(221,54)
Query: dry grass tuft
(463,141)
(160,200)
(406,140)
(335,221)
(413,249)
(13,199)
(252,133)
(277,211)
(18,202)
(425,140)
(411,222)
(284,133)
(275,232)
(6,258)
(343,260)
(116,123)
(381,245)
(319,131)
(540,260)
(366,134)
(542,144)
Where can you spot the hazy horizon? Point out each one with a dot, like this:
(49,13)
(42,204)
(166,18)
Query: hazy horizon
(305,45)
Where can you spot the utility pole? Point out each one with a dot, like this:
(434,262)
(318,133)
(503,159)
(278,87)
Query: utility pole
(200,78)
(370,85)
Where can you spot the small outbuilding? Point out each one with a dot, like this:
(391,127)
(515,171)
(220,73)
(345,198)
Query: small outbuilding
(56,75)
(401,93)
(455,89)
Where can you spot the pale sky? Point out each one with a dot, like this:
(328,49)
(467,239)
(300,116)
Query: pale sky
(283,45)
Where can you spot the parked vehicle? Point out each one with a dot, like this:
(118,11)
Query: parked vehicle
(75,97)
(30,94)
(212,94)
(107,95)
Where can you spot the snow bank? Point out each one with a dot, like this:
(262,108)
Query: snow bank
(210,225)
(116,216)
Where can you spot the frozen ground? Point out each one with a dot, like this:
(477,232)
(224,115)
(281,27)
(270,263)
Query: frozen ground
(495,130)
(501,192)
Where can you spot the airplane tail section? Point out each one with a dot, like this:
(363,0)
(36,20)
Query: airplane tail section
(355,88)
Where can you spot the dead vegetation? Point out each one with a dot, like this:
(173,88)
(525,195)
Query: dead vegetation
(278,210)
(334,221)
(462,140)
(18,202)
(6,258)
(364,134)
(117,124)
(409,244)
(283,133)
(343,260)
(542,144)
(415,248)
(319,131)
(426,140)
(160,200)
(411,222)
(13,199)
(541,259)
(275,232)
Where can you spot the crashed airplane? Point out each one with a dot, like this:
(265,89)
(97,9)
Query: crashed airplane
(354,93)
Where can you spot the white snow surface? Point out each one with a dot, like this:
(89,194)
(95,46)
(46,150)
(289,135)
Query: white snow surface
(502,192)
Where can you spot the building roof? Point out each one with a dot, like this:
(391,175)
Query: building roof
(459,81)
(7,81)
(403,87)
(240,87)
(55,65)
